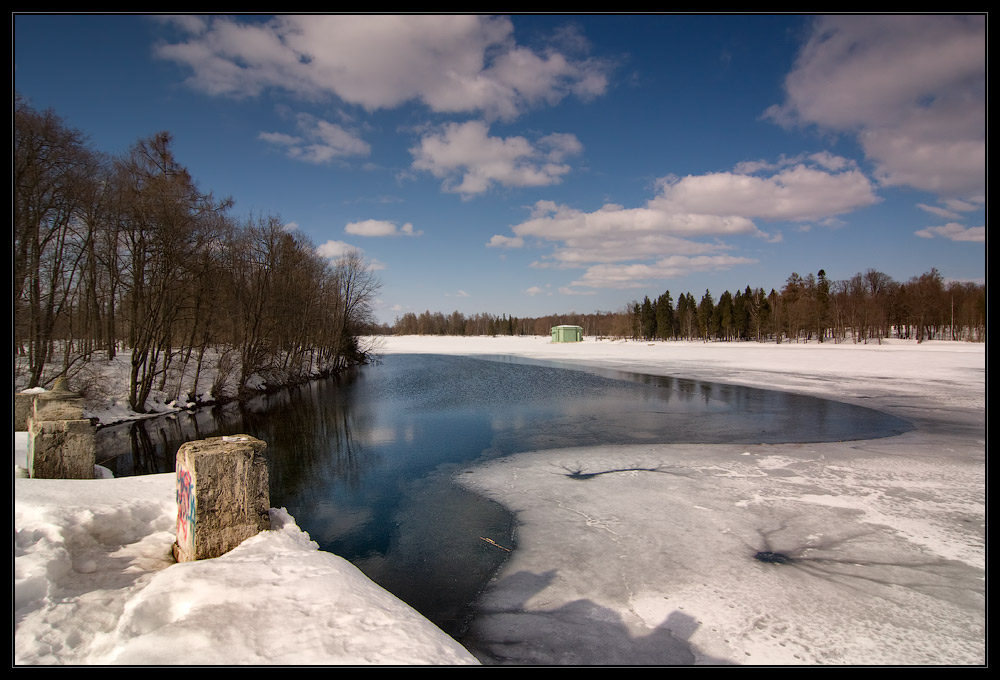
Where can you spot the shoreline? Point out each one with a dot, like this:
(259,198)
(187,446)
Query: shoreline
(650,560)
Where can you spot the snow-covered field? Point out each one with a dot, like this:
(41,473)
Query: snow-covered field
(645,556)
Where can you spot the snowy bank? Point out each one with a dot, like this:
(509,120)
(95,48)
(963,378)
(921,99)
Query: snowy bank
(625,554)
(95,583)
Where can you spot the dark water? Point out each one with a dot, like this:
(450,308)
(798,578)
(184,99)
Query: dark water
(365,462)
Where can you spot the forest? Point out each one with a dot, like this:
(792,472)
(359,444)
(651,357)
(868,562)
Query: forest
(124,254)
(868,307)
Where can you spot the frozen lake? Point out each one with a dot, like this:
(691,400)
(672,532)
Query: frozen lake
(366,464)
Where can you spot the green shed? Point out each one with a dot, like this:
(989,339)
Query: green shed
(567,334)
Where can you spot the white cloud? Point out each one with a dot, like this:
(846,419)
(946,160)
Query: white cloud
(559,145)
(955,232)
(824,159)
(319,142)
(831,162)
(680,229)
(334,250)
(912,88)
(450,63)
(640,275)
(712,205)
(798,193)
(470,161)
(500,241)
(939,211)
(376,228)
(960,206)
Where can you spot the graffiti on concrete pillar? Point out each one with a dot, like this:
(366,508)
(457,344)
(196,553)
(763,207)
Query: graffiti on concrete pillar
(185,507)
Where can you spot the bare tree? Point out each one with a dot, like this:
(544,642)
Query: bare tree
(51,176)
(168,221)
(925,294)
(356,287)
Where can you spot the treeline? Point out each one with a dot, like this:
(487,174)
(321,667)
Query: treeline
(869,306)
(601,324)
(125,253)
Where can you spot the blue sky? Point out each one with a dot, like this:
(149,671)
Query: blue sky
(531,165)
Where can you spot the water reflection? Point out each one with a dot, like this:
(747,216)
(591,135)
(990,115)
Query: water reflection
(364,463)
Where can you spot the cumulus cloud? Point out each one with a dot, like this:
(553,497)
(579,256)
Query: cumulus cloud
(797,193)
(377,228)
(681,229)
(470,161)
(955,232)
(911,88)
(334,250)
(501,241)
(450,63)
(319,141)
(640,275)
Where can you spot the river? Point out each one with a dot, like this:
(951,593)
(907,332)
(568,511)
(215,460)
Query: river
(365,462)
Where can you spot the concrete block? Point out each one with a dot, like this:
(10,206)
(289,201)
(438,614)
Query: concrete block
(59,403)
(61,442)
(24,408)
(222,495)
(61,449)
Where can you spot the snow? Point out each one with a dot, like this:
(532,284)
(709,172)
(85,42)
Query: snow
(95,583)
(648,559)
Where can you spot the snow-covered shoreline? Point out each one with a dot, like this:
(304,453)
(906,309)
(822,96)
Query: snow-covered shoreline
(628,567)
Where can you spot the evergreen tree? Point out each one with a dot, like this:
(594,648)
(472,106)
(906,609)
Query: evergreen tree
(647,319)
(822,304)
(706,314)
(725,316)
(665,316)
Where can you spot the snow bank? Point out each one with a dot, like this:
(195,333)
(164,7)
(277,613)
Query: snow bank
(95,583)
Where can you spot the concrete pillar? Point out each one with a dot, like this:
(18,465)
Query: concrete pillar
(222,495)
(61,442)
(24,406)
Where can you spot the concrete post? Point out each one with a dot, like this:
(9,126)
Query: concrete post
(222,495)
(61,442)
(24,406)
